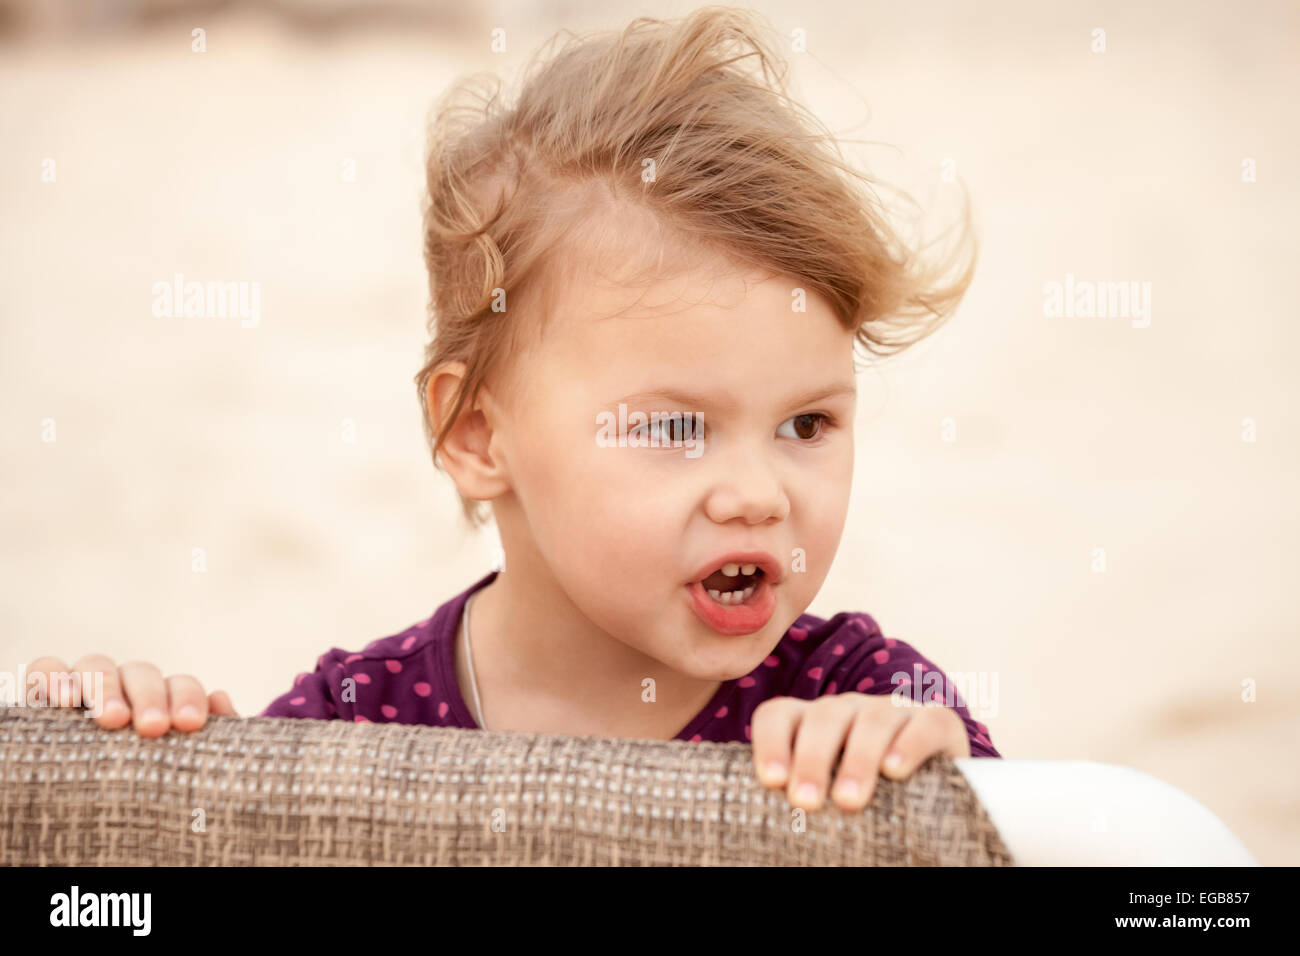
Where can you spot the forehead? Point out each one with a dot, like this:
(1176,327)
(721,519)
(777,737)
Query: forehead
(627,302)
(718,326)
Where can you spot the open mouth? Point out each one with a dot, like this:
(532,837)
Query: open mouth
(733,583)
(736,597)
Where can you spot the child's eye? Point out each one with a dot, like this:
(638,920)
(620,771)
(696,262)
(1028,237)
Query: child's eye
(804,427)
(674,430)
(668,431)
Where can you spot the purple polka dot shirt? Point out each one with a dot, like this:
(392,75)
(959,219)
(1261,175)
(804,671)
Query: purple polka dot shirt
(410,677)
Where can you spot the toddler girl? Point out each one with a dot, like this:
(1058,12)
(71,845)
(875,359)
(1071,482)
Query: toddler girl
(649,275)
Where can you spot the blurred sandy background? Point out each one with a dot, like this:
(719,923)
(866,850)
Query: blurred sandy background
(1071,434)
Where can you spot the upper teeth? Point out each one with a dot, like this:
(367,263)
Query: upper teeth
(731,570)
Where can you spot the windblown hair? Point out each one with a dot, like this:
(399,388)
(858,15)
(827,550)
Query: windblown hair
(737,169)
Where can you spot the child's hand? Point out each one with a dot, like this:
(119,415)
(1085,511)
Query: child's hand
(134,690)
(867,726)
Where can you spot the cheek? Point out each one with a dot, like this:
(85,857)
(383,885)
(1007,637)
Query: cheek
(597,519)
(820,504)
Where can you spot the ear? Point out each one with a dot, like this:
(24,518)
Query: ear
(469,453)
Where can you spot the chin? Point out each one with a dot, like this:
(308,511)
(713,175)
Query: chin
(727,658)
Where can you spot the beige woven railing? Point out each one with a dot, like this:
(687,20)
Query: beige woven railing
(279,791)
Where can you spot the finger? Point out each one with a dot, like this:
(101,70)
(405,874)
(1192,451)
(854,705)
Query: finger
(39,691)
(146,695)
(220,705)
(103,695)
(873,729)
(772,727)
(188,702)
(928,732)
(818,741)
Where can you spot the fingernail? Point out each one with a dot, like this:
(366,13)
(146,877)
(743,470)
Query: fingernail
(776,771)
(847,789)
(189,712)
(152,716)
(807,793)
(114,708)
(894,760)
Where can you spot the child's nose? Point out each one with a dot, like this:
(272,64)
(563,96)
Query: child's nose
(748,488)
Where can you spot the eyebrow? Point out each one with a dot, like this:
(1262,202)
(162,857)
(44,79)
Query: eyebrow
(697,400)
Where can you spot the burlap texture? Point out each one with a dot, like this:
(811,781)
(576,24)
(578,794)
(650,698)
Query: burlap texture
(285,792)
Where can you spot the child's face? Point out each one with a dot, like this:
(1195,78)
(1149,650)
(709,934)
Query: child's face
(623,533)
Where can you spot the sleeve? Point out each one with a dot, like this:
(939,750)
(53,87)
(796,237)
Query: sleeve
(314,695)
(891,666)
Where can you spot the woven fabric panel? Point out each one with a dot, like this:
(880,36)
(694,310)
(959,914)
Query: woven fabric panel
(286,792)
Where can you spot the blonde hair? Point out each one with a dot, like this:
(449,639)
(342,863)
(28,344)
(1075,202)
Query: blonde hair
(739,168)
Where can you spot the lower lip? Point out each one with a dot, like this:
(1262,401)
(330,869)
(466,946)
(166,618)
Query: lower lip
(733,619)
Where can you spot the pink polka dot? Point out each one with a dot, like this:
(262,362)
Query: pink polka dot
(394,667)
(442,709)
(406,644)
(299,679)
(881,656)
(798,634)
(298,701)
(890,642)
(351,657)
(422,689)
(362,678)
(832,688)
(722,712)
(389,711)
(983,729)
(839,650)
(747,682)
(864,684)
(772,661)
(861,624)
(747,733)
(696,739)
(924,667)
(815,673)
(360,720)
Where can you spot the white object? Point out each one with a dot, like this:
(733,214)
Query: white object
(1079,813)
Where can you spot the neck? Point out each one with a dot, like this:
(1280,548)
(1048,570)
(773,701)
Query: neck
(543,667)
